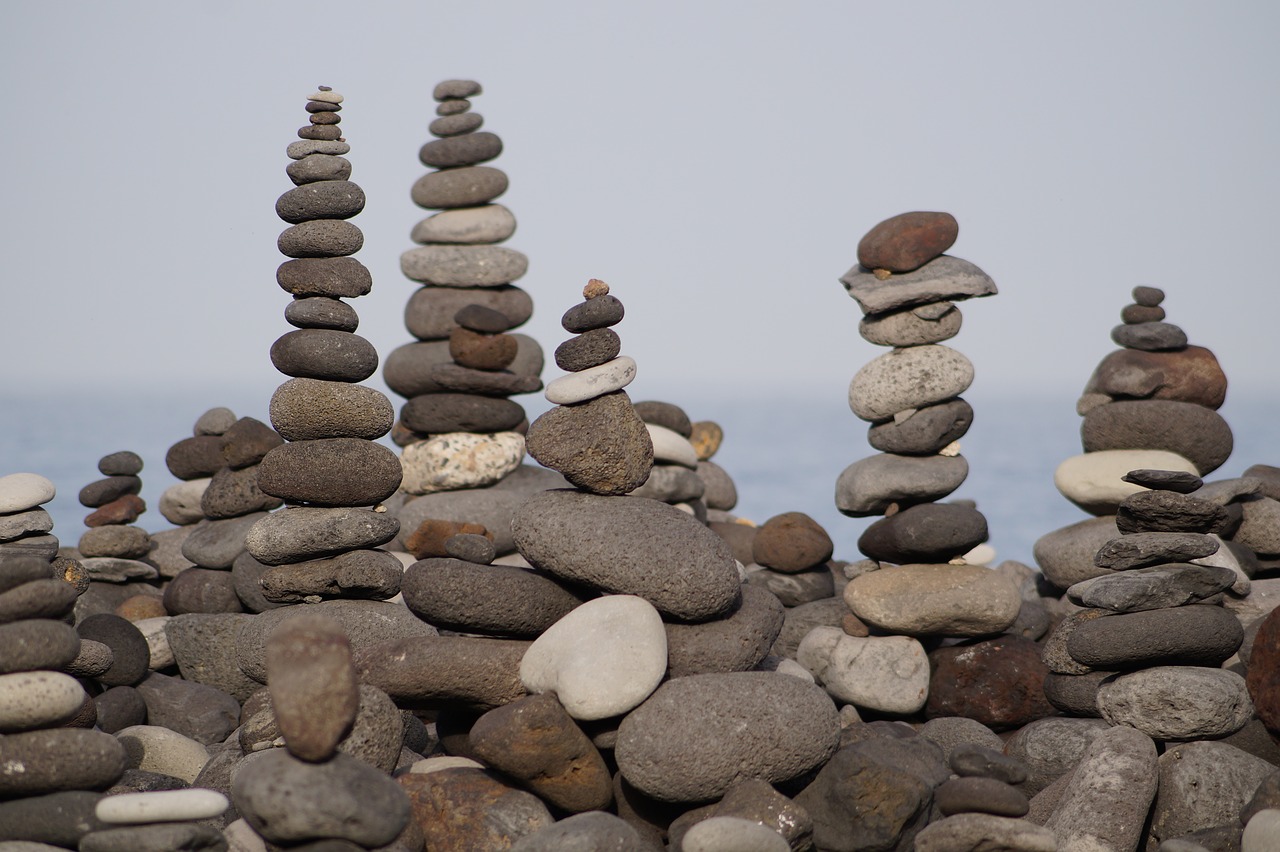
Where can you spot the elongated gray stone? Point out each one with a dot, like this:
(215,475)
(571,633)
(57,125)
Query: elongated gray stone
(303,532)
(870,486)
(1106,801)
(946,278)
(1163,586)
(463,266)
(1177,702)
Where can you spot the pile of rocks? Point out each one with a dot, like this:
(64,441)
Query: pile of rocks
(1151,405)
(328,468)
(25,528)
(113,544)
(459,427)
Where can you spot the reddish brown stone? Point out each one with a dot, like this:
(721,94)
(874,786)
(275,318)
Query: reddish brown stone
(853,626)
(1263,677)
(482,351)
(791,542)
(123,510)
(471,809)
(1187,375)
(907,241)
(139,607)
(313,685)
(536,742)
(998,682)
(427,541)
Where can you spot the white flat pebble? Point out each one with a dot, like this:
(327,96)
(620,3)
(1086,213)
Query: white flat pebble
(435,764)
(671,446)
(162,806)
(592,382)
(38,699)
(732,834)
(22,491)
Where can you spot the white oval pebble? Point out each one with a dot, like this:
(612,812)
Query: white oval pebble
(156,749)
(1092,480)
(671,446)
(602,659)
(732,834)
(1262,834)
(40,699)
(435,764)
(592,382)
(162,806)
(22,491)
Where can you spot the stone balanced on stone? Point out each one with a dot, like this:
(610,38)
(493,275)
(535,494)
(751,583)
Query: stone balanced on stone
(1151,405)
(459,374)
(112,547)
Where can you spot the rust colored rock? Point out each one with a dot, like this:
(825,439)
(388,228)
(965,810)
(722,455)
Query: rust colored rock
(536,742)
(427,541)
(471,809)
(1188,375)
(998,682)
(482,351)
(907,241)
(313,685)
(1263,677)
(122,510)
(791,542)
(139,607)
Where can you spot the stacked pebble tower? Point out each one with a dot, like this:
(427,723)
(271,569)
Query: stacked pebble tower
(1151,405)
(111,548)
(230,503)
(25,528)
(674,478)
(460,373)
(329,469)
(1156,617)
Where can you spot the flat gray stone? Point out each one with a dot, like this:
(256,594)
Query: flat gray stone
(1174,584)
(488,223)
(946,278)
(429,313)
(907,327)
(1139,550)
(299,533)
(1177,702)
(463,265)
(870,486)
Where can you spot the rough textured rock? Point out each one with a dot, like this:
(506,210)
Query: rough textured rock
(1192,431)
(1177,702)
(1106,801)
(1199,783)
(885,673)
(600,445)
(1185,635)
(313,685)
(952,600)
(736,642)
(472,809)
(908,378)
(998,682)
(792,541)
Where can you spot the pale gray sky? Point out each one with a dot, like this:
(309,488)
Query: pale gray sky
(716,162)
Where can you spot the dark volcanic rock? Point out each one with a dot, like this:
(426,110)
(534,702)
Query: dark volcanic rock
(928,533)
(998,682)
(1195,635)
(331,472)
(1194,432)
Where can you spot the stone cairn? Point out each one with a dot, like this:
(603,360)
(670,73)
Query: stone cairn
(1151,405)
(459,428)
(112,547)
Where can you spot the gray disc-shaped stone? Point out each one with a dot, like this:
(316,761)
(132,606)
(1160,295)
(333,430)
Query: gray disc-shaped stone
(870,486)
(307,409)
(1185,635)
(320,238)
(36,643)
(57,759)
(458,379)
(299,533)
(735,643)
(907,328)
(328,199)
(943,279)
(465,187)
(216,544)
(1149,336)
(317,353)
(331,472)
(1138,550)
(321,312)
(491,599)
(407,370)
(926,431)
(366,623)
(1066,556)
(927,533)
(1177,702)
(287,800)
(488,223)
(1173,584)
(314,167)
(651,550)
(336,277)
(696,736)
(355,574)
(1194,432)
(430,311)
(438,413)
(454,151)
(909,378)
(463,266)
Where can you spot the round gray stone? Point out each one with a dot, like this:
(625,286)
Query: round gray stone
(465,187)
(463,265)
(317,353)
(870,486)
(309,409)
(907,379)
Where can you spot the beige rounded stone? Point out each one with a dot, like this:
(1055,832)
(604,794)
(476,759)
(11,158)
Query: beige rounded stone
(459,460)
(925,600)
(1093,480)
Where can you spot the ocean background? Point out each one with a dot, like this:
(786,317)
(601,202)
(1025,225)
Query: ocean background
(783,450)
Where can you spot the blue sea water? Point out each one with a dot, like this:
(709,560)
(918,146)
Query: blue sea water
(784,453)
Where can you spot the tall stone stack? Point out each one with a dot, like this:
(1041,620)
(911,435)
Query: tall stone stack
(329,470)
(907,287)
(1146,651)
(1150,405)
(459,426)
(113,546)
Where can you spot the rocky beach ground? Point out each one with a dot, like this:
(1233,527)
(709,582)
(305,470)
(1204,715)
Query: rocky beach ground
(338,646)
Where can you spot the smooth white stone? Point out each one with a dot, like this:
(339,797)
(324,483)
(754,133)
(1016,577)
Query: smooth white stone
(602,659)
(156,749)
(458,460)
(886,673)
(592,382)
(180,504)
(1092,480)
(162,806)
(671,446)
(22,491)
(435,764)
(39,699)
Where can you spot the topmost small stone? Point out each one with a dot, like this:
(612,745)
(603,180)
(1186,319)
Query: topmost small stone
(456,89)
(595,287)
(1148,297)
(327,95)
(908,241)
